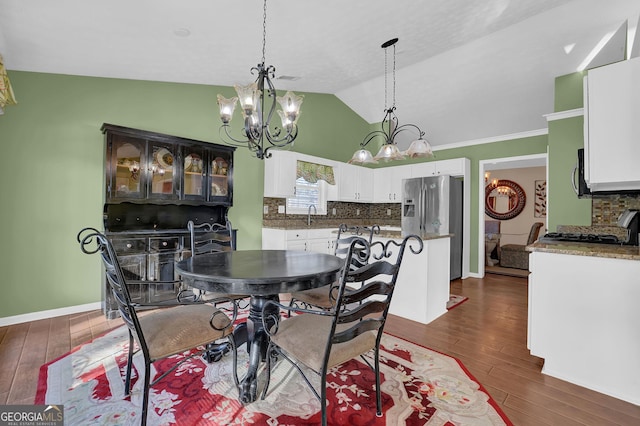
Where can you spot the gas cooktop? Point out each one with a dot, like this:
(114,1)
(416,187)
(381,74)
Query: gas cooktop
(581,238)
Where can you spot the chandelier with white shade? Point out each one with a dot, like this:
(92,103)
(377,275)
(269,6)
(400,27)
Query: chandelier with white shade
(258,135)
(390,128)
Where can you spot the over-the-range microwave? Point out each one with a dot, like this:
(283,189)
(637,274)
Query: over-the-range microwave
(580,185)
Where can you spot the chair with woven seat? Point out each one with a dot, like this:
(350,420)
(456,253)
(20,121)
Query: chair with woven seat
(350,329)
(516,255)
(159,333)
(321,297)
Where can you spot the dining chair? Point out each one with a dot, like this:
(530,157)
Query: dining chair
(350,329)
(162,332)
(208,238)
(321,297)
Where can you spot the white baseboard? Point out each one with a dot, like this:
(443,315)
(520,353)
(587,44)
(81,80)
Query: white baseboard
(35,316)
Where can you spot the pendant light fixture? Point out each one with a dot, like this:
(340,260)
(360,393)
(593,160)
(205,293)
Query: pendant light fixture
(390,128)
(257,132)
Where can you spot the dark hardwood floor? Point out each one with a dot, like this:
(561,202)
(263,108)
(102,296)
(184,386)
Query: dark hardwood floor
(488,333)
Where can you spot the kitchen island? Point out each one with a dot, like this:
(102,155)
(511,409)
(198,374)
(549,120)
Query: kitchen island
(422,288)
(584,318)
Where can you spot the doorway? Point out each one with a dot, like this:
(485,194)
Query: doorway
(502,164)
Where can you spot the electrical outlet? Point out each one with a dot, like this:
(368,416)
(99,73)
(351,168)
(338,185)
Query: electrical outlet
(388,212)
(357,212)
(280,209)
(265,209)
(333,212)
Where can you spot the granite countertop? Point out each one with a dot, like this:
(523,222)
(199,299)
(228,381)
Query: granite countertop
(386,231)
(322,223)
(612,251)
(397,235)
(596,230)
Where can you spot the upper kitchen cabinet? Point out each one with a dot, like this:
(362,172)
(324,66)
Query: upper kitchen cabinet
(151,167)
(612,127)
(387,183)
(453,167)
(355,183)
(280,174)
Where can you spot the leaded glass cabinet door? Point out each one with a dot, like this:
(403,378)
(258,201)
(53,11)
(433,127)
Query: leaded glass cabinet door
(161,169)
(194,175)
(127,163)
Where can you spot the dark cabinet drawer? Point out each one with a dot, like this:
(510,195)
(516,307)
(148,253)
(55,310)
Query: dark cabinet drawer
(129,245)
(164,244)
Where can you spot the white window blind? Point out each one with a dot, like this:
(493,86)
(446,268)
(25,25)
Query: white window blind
(308,194)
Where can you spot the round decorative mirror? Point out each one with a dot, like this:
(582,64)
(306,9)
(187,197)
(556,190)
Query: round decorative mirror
(504,200)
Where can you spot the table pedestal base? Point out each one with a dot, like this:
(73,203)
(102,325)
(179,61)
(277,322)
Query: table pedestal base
(256,338)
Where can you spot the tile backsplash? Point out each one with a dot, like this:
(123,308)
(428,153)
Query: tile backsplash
(382,214)
(605,210)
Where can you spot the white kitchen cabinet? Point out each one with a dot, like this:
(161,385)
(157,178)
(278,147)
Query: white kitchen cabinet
(333,191)
(355,183)
(296,245)
(612,127)
(422,287)
(583,320)
(387,183)
(452,167)
(296,239)
(320,240)
(280,174)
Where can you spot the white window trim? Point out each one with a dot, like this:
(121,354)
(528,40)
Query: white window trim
(321,202)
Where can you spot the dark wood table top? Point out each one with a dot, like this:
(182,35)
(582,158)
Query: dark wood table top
(259,272)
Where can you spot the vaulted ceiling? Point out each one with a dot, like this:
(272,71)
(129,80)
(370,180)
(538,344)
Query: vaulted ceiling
(465,70)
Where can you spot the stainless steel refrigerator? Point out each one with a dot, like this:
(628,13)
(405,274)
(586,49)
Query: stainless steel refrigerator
(433,205)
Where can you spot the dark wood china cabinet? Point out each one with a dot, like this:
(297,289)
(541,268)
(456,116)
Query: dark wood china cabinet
(154,167)
(155,184)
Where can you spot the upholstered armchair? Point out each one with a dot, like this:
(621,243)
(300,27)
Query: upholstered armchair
(516,255)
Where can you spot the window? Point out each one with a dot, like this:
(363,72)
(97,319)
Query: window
(308,194)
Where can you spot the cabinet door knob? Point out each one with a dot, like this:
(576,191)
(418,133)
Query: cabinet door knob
(129,245)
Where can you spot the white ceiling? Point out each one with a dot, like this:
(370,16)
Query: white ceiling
(466,70)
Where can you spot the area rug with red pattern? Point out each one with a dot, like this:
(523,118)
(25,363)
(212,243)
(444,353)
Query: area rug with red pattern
(455,300)
(420,386)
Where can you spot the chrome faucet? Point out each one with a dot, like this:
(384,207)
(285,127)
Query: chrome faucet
(309,214)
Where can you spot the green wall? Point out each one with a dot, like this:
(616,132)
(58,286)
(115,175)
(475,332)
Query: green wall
(52,176)
(566,136)
(568,92)
(565,208)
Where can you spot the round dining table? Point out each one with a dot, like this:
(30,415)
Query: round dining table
(262,275)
